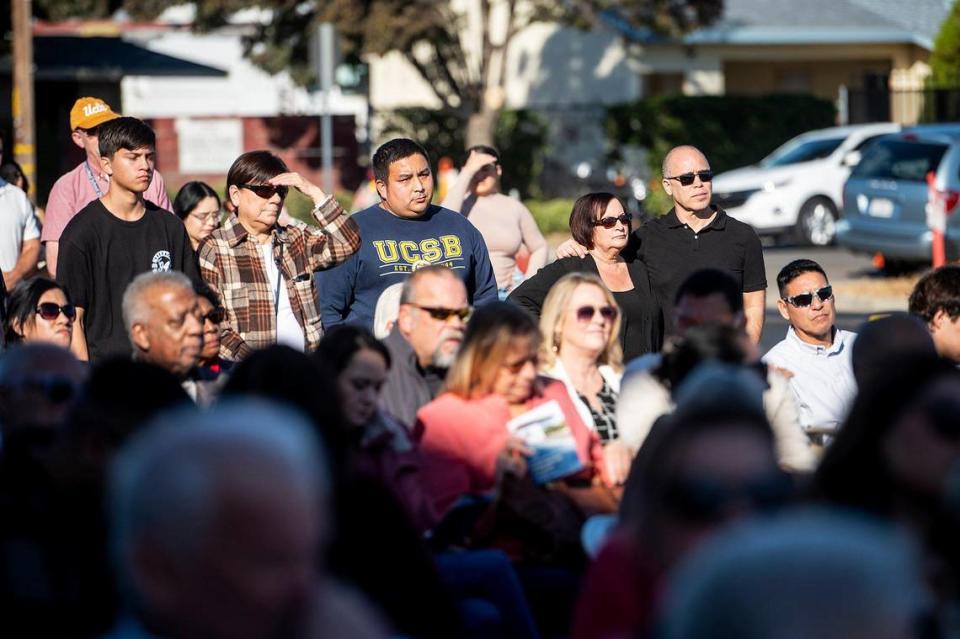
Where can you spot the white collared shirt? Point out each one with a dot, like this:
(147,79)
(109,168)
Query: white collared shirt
(822,381)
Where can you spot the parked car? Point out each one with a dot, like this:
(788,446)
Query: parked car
(796,191)
(885,199)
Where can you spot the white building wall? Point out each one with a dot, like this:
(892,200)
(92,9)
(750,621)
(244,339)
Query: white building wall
(246,90)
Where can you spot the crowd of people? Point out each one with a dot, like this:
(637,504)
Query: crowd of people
(220,422)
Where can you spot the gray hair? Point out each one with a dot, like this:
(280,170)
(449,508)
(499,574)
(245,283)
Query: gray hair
(135,308)
(812,573)
(164,483)
(410,284)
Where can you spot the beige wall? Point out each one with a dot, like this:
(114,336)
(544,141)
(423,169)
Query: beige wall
(821,78)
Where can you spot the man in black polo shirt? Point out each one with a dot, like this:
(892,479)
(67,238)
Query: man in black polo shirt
(694,235)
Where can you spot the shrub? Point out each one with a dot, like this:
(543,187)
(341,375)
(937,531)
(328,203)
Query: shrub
(732,131)
(552,216)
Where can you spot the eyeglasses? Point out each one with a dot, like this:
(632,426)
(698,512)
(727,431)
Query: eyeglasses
(266,191)
(806,299)
(216,315)
(50,311)
(443,314)
(516,367)
(203,217)
(610,222)
(92,132)
(585,313)
(706,500)
(687,178)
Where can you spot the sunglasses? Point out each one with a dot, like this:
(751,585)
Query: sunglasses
(585,313)
(516,367)
(806,299)
(266,191)
(687,178)
(216,316)
(610,222)
(50,311)
(706,500)
(443,314)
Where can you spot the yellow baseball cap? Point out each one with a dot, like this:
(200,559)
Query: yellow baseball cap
(90,112)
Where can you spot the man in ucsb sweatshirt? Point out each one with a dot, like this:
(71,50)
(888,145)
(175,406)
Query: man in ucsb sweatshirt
(402,233)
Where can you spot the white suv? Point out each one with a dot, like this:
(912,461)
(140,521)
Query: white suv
(797,191)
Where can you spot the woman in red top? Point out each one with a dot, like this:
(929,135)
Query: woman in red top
(465,443)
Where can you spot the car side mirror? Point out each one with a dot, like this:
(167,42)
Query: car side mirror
(852,159)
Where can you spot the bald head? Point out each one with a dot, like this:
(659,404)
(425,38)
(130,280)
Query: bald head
(678,155)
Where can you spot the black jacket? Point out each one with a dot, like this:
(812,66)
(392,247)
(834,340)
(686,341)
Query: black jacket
(641,326)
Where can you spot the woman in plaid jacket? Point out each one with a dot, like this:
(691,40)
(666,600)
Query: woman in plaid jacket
(262,271)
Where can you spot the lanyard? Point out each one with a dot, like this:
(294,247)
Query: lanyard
(93,180)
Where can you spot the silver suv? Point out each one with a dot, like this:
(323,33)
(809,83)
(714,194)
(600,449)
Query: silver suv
(885,199)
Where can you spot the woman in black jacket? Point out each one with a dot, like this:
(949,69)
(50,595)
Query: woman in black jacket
(599,222)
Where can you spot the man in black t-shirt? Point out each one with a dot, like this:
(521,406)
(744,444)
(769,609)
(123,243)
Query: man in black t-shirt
(117,237)
(695,235)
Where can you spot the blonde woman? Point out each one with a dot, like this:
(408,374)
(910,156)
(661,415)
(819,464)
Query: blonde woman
(580,323)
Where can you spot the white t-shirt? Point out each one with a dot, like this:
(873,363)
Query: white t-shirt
(17,224)
(289,331)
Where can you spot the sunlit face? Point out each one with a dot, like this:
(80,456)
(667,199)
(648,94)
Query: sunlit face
(409,187)
(202,220)
(211,330)
(945,331)
(131,169)
(812,324)
(486,179)
(172,336)
(615,237)
(57,331)
(517,373)
(435,341)
(256,213)
(695,197)
(587,321)
(359,386)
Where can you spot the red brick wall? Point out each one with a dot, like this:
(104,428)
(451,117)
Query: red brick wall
(296,139)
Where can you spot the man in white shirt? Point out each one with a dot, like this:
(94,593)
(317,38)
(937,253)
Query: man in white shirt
(19,233)
(815,351)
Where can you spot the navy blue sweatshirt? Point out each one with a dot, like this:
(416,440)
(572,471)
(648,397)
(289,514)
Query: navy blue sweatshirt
(391,248)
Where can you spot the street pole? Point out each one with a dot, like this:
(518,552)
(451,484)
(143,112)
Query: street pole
(327,35)
(24,150)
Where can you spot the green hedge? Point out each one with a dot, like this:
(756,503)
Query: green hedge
(552,216)
(732,131)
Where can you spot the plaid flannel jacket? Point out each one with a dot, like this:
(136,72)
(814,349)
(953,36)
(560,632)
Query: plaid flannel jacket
(231,264)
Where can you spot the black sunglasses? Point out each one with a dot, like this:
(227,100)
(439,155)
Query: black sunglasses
(705,500)
(443,314)
(806,299)
(50,311)
(585,313)
(687,178)
(266,191)
(609,222)
(216,315)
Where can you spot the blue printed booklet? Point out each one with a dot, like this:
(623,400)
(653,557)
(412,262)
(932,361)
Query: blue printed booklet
(545,431)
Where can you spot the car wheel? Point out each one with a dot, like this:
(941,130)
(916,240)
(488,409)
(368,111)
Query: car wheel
(817,222)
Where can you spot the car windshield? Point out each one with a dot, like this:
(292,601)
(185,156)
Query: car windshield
(900,160)
(794,152)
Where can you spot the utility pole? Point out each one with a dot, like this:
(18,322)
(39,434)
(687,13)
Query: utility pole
(24,148)
(326,36)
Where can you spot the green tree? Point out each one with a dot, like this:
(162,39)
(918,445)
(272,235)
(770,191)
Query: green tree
(430,34)
(945,59)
